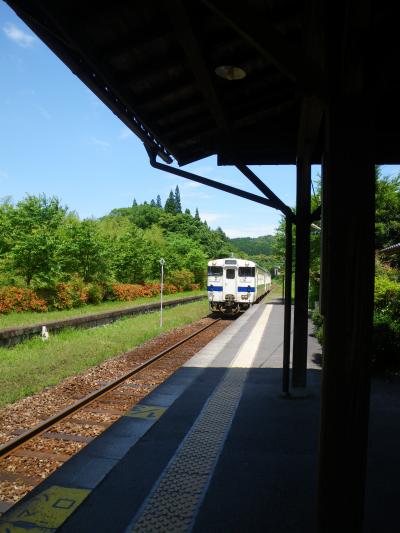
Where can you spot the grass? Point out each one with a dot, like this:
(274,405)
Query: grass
(29,318)
(276,292)
(31,366)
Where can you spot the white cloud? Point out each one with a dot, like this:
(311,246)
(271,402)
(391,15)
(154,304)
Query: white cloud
(228,181)
(18,36)
(191,185)
(125,133)
(213,217)
(100,143)
(194,196)
(202,170)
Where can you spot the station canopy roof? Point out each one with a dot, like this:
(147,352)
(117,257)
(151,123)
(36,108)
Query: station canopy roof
(164,68)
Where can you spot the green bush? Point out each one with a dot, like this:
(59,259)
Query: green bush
(313,295)
(95,293)
(387,296)
(318,321)
(386,343)
(182,279)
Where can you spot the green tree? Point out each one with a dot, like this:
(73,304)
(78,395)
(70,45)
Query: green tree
(144,216)
(35,222)
(131,257)
(6,209)
(196,215)
(254,246)
(158,202)
(84,251)
(177,197)
(196,262)
(387,210)
(170,205)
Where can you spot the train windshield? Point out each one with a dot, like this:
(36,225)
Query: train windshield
(247,272)
(230,273)
(214,271)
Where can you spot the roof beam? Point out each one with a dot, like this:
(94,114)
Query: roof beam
(270,43)
(312,106)
(185,35)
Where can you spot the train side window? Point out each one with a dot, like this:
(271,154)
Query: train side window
(214,271)
(248,272)
(230,273)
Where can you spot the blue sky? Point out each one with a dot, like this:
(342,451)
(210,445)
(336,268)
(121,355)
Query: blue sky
(57,138)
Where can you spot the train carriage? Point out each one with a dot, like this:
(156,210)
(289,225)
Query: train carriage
(235,284)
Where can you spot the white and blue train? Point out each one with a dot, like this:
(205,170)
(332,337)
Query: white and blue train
(234,284)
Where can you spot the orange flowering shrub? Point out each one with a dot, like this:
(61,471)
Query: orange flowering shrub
(169,288)
(126,291)
(17,299)
(75,294)
(69,295)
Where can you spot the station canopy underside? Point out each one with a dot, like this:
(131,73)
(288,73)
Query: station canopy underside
(154,64)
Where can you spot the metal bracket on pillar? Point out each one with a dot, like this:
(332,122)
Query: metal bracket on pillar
(205,181)
(255,180)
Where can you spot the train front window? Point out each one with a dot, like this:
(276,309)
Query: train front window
(247,272)
(230,273)
(214,271)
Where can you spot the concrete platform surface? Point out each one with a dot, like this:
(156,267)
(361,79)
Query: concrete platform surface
(215,448)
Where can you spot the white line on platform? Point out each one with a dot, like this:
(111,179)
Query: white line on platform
(248,351)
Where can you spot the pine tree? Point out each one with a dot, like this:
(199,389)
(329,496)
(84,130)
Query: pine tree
(196,215)
(158,201)
(134,203)
(170,206)
(187,211)
(177,196)
(152,203)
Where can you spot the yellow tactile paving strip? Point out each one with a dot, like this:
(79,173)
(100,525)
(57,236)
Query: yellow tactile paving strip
(177,495)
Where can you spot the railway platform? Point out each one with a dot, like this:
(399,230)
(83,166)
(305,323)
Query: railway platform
(214,448)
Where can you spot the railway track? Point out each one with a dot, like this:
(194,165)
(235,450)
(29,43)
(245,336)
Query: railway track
(54,440)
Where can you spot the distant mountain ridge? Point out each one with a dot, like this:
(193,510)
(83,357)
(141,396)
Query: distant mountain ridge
(254,245)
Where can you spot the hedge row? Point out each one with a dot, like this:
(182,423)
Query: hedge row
(386,327)
(76,294)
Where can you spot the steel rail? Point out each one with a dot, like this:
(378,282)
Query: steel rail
(13,444)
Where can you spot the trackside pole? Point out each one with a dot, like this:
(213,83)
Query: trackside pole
(162,263)
(288,307)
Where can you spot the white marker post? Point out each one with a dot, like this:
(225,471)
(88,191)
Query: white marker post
(162,263)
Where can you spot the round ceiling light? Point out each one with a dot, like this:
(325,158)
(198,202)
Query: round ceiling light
(228,72)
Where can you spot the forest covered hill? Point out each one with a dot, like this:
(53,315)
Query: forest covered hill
(254,245)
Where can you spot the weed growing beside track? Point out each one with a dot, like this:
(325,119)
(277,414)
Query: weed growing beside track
(33,365)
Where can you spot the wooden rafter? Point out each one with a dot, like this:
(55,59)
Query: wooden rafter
(185,34)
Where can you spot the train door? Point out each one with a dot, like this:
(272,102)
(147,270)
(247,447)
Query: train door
(230,281)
